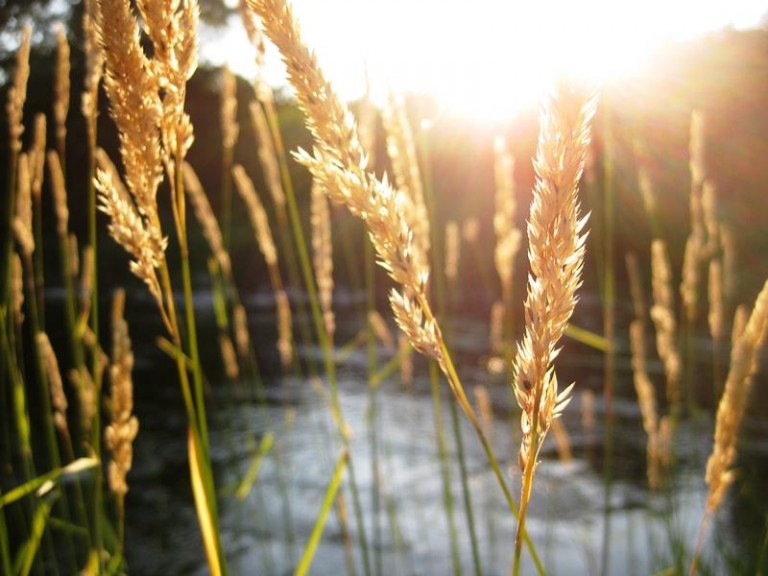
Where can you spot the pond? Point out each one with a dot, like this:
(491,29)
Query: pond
(591,514)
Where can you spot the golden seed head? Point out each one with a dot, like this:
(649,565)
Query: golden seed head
(55,383)
(59,190)
(256,213)
(381,330)
(242,335)
(322,252)
(206,218)
(470,230)
(733,404)
(556,253)
(17,93)
(663,316)
(267,155)
(123,427)
(229,126)
(285,336)
(61,87)
(17,292)
(22,222)
(37,157)
(452,249)
(228,357)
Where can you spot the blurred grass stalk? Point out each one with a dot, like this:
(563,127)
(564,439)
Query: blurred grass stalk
(160,140)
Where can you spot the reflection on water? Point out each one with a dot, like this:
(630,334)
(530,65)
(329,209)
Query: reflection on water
(575,516)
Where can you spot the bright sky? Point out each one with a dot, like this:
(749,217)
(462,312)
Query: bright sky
(485,58)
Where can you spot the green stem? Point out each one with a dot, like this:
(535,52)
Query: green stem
(289,234)
(437,253)
(530,467)
(94,325)
(608,325)
(699,543)
(197,376)
(373,407)
(10,211)
(5,551)
(456,387)
(317,531)
(226,197)
(465,489)
(317,317)
(445,473)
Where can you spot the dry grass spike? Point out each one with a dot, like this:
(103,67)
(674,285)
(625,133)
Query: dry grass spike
(61,88)
(322,254)
(206,218)
(556,253)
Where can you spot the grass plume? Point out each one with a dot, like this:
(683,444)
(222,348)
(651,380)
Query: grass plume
(556,240)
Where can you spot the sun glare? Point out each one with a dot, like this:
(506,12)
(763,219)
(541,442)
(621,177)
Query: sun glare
(488,59)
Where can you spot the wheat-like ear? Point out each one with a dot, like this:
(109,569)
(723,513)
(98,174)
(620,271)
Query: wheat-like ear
(556,240)
(507,234)
(646,397)
(733,404)
(135,104)
(322,255)
(268,156)
(17,290)
(37,157)
(136,233)
(452,252)
(663,316)
(255,34)
(731,409)
(260,223)
(228,111)
(94,63)
(55,383)
(204,215)
(401,149)
(17,93)
(61,88)
(22,222)
(340,164)
(123,427)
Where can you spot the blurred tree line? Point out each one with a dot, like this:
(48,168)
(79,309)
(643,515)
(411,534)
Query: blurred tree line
(725,75)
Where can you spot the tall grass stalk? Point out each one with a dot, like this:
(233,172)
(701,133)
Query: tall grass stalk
(89,104)
(300,245)
(5,549)
(373,408)
(556,253)
(275,163)
(339,162)
(278,180)
(409,168)
(17,95)
(37,163)
(730,414)
(609,324)
(446,263)
(157,144)
(445,470)
(330,495)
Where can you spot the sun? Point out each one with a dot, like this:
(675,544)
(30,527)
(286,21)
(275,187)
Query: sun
(488,59)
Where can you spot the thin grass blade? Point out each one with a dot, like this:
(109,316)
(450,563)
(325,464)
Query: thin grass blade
(70,470)
(26,557)
(207,525)
(253,470)
(317,531)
